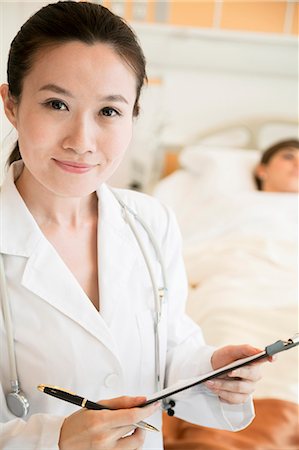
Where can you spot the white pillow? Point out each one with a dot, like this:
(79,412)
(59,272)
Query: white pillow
(221,169)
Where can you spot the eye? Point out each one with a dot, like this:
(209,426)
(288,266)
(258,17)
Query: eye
(57,105)
(288,156)
(109,112)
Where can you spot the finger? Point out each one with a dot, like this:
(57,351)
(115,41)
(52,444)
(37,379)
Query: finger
(242,351)
(250,373)
(233,398)
(102,423)
(230,353)
(123,402)
(234,392)
(123,417)
(232,386)
(132,442)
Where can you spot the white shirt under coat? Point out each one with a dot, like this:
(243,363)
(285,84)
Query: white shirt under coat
(61,339)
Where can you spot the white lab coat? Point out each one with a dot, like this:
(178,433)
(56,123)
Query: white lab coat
(62,340)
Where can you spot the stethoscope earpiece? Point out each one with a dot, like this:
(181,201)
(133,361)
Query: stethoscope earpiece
(17,403)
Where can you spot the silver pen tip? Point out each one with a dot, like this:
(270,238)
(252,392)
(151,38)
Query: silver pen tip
(151,427)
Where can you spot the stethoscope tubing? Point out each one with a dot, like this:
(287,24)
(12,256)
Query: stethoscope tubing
(9,327)
(158,293)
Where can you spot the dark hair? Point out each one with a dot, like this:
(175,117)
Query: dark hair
(66,21)
(268,154)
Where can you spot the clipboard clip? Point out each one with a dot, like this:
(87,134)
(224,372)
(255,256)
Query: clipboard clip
(280,346)
(270,350)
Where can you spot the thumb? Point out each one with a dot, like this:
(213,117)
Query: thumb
(231,353)
(123,402)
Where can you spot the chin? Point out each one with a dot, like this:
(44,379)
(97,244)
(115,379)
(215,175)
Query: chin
(294,186)
(74,191)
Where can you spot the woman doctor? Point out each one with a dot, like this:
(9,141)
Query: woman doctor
(80,294)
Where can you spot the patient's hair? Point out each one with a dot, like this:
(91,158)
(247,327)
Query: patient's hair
(68,21)
(270,152)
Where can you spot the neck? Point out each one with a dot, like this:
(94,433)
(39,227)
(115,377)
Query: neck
(50,209)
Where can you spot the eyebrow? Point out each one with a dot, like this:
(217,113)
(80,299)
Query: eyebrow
(59,90)
(56,89)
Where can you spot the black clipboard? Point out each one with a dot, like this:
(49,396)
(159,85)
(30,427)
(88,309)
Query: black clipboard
(270,350)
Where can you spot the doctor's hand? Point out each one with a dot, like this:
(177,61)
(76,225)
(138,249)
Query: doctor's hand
(236,386)
(105,429)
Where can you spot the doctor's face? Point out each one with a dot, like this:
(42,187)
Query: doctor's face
(74,118)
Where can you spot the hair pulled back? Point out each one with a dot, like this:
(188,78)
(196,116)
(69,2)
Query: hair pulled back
(66,21)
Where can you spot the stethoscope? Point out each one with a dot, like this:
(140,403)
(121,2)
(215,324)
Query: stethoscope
(16,400)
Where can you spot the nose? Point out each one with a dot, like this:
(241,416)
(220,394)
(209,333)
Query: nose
(80,135)
(296,160)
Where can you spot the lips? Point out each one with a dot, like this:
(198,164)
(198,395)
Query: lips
(73,166)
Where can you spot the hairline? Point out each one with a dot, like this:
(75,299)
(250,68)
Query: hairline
(54,44)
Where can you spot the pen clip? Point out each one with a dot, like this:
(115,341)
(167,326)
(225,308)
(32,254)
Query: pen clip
(42,387)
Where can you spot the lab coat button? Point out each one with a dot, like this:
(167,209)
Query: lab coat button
(111,380)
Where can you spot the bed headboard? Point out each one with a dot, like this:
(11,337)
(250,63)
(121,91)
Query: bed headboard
(254,133)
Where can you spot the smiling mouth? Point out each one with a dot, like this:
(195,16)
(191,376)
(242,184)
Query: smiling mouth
(74,167)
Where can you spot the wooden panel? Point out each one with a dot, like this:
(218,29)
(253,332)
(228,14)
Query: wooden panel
(244,15)
(261,16)
(295,20)
(129,10)
(151,11)
(192,13)
(171,163)
(106,3)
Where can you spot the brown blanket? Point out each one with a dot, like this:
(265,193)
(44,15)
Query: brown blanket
(275,427)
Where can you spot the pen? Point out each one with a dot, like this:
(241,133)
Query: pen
(84,403)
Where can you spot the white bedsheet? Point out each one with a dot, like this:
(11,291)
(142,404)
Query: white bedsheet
(241,253)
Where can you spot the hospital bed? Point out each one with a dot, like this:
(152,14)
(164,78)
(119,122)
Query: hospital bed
(240,249)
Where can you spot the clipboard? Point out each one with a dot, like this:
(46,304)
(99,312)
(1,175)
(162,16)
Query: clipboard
(270,350)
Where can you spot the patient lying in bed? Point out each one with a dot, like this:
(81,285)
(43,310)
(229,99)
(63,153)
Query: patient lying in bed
(241,257)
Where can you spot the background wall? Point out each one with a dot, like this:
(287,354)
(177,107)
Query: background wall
(209,63)
(255,15)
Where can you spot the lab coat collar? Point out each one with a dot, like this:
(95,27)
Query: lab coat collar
(20,233)
(47,276)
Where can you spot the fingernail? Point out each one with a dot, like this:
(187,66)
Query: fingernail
(210,383)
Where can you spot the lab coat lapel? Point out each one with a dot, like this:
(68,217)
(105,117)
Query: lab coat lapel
(45,273)
(47,276)
(118,252)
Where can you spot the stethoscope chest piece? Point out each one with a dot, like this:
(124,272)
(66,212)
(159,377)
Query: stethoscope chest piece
(17,403)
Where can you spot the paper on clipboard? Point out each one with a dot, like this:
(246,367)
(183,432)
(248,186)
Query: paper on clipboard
(270,350)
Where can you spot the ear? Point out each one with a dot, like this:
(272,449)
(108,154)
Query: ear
(9,103)
(261,172)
